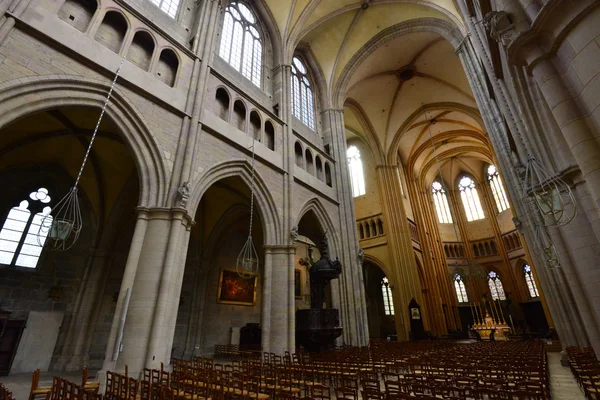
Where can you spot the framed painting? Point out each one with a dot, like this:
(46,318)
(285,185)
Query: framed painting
(298,283)
(233,289)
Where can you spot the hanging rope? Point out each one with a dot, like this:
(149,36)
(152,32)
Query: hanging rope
(60,228)
(247,261)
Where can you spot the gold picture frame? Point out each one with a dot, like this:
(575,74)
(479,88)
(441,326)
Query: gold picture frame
(233,289)
(298,283)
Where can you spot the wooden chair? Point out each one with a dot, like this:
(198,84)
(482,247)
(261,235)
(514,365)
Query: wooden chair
(320,392)
(86,385)
(344,393)
(37,390)
(370,394)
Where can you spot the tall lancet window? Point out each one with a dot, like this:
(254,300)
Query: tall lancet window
(533,290)
(388,304)
(302,95)
(441,203)
(357,178)
(496,287)
(20,245)
(470,199)
(241,42)
(168,6)
(461,291)
(497,189)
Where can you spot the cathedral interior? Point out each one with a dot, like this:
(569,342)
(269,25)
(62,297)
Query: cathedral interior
(256,199)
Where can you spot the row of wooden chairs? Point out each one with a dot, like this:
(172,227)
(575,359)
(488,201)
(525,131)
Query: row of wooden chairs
(586,370)
(44,391)
(63,389)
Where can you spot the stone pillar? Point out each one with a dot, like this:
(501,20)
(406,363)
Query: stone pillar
(151,275)
(353,308)
(405,276)
(282,271)
(266,300)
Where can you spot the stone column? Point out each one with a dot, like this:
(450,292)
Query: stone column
(353,303)
(151,275)
(281,274)
(405,276)
(266,300)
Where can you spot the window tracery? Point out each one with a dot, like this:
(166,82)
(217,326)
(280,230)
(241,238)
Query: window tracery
(357,178)
(241,42)
(302,94)
(21,240)
(168,6)
(461,291)
(440,199)
(530,280)
(470,199)
(496,287)
(388,304)
(497,189)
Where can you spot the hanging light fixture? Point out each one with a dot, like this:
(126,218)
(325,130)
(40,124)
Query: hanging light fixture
(552,197)
(60,228)
(247,261)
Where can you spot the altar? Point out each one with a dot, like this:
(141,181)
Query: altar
(485,326)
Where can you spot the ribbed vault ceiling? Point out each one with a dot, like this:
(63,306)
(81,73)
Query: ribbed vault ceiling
(401,87)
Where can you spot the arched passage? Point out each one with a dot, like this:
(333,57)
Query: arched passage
(74,289)
(380,308)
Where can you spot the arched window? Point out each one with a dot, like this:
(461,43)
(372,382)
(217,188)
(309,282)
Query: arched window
(168,6)
(495,285)
(470,199)
(533,290)
(302,95)
(441,203)
(497,189)
(461,291)
(19,234)
(388,304)
(357,178)
(241,43)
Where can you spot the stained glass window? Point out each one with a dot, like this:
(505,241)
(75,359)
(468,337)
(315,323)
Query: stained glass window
(441,203)
(168,6)
(496,287)
(19,234)
(388,304)
(241,42)
(302,94)
(461,291)
(497,189)
(533,290)
(357,178)
(470,199)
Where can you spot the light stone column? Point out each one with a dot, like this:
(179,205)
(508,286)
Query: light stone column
(151,274)
(281,274)
(405,276)
(265,322)
(353,307)
(553,283)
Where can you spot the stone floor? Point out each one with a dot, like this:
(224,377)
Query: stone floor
(562,383)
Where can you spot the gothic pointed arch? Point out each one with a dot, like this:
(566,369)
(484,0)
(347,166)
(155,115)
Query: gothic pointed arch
(326,223)
(77,91)
(262,195)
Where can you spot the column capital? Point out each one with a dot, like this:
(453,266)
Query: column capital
(165,213)
(279,249)
(338,110)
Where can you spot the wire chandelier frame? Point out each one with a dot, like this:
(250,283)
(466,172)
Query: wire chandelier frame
(61,227)
(549,194)
(247,261)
